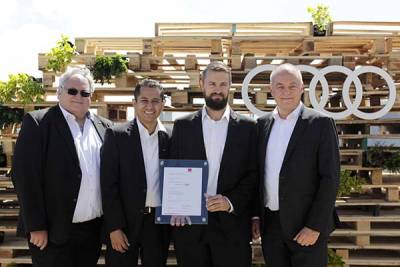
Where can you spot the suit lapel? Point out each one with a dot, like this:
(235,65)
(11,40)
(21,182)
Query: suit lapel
(98,125)
(265,133)
(65,132)
(162,145)
(197,135)
(231,135)
(135,147)
(298,130)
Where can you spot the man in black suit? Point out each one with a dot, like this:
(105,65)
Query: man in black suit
(299,177)
(130,183)
(227,140)
(56,172)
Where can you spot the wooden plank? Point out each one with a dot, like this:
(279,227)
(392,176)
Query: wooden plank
(179,97)
(392,194)
(191,62)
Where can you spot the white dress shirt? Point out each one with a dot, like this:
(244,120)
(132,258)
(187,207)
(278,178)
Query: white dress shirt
(214,134)
(151,163)
(87,144)
(280,135)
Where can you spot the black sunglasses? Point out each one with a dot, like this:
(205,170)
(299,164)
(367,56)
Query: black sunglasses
(74,91)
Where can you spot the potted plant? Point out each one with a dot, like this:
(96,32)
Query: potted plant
(61,55)
(386,157)
(21,88)
(321,19)
(106,67)
(349,184)
(334,260)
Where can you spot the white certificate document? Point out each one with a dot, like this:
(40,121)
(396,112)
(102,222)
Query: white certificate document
(182,191)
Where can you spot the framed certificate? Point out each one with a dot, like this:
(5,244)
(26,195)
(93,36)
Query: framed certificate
(183,186)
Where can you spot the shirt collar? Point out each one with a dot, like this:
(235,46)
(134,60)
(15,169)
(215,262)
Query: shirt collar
(143,130)
(292,116)
(68,115)
(226,115)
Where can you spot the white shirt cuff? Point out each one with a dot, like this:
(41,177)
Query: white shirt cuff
(230,204)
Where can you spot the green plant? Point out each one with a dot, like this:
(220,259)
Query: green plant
(61,55)
(21,88)
(387,157)
(320,16)
(105,67)
(349,183)
(334,259)
(10,115)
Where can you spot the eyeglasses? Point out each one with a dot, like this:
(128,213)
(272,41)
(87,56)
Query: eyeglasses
(74,91)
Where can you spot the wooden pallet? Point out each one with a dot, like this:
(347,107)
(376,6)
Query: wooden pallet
(353,28)
(234,29)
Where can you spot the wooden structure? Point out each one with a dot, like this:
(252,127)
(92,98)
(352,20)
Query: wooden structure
(370,232)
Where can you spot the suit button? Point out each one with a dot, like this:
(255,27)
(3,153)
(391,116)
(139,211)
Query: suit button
(282,178)
(74,200)
(79,176)
(141,211)
(281,198)
(145,190)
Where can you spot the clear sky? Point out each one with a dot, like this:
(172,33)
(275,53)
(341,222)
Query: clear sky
(28,27)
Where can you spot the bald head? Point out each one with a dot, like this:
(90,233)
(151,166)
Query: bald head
(286,68)
(286,88)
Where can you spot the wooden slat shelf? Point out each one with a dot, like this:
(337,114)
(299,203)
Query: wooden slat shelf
(179,51)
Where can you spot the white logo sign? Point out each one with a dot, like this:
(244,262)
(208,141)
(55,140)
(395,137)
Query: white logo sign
(319,76)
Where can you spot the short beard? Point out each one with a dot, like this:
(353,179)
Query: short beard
(216,105)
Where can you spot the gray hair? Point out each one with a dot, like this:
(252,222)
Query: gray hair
(288,68)
(74,71)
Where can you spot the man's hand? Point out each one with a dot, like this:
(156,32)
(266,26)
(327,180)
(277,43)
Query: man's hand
(255,228)
(119,241)
(217,203)
(180,220)
(39,239)
(306,237)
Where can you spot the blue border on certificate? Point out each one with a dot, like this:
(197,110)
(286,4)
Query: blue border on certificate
(203,218)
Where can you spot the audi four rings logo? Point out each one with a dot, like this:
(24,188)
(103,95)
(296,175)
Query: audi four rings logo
(319,76)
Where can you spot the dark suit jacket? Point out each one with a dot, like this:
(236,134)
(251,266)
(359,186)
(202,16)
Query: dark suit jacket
(237,177)
(309,177)
(123,178)
(46,172)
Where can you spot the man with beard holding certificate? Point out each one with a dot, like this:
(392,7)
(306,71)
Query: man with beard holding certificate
(130,183)
(227,140)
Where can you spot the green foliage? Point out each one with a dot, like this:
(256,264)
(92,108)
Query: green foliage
(386,157)
(334,259)
(10,115)
(61,55)
(21,88)
(320,16)
(105,67)
(349,184)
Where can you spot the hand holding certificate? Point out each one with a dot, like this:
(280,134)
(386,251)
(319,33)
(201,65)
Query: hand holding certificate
(183,187)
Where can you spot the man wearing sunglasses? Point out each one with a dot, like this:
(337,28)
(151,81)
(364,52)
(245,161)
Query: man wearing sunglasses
(56,172)
(130,183)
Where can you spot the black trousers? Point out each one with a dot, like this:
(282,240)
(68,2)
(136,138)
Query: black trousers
(280,251)
(81,250)
(151,246)
(213,249)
